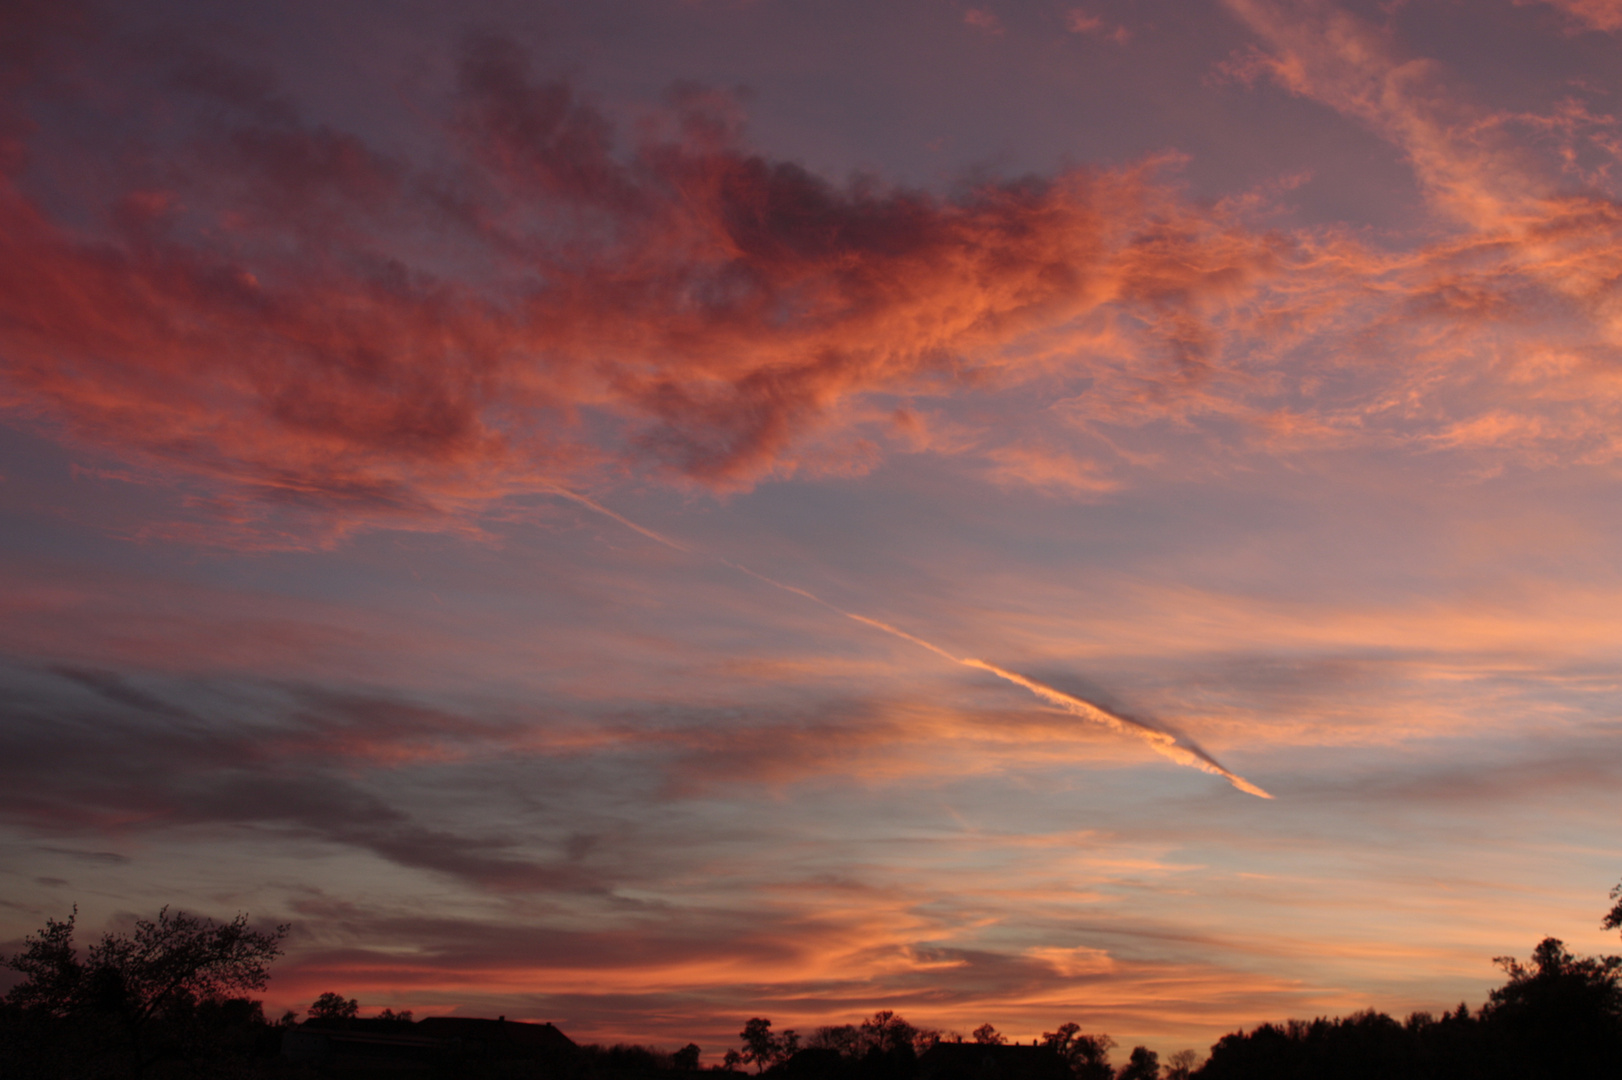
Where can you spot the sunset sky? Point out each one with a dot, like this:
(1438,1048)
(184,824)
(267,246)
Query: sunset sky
(515,489)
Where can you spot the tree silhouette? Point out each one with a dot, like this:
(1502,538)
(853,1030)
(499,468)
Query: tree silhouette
(887,1033)
(1180,1066)
(53,978)
(1365,1044)
(762,1049)
(174,971)
(686,1058)
(1087,1055)
(331,1007)
(1144,1064)
(1561,1013)
(987,1035)
(843,1039)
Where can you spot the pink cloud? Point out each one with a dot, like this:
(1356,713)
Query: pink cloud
(983,19)
(264,325)
(1045,468)
(1081,21)
(1593,14)
(309,336)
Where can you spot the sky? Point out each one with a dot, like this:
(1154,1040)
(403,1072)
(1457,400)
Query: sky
(646,514)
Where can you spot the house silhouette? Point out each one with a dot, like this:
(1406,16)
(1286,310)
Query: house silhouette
(404,1047)
(991,1061)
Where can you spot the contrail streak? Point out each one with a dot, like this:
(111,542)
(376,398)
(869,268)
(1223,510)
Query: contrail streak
(1162,742)
(627,522)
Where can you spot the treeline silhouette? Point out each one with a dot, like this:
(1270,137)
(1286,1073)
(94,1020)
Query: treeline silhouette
(167,1003)
(1560,1016)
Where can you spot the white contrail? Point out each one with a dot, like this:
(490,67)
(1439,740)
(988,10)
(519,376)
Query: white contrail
(627,522)
(1163,742)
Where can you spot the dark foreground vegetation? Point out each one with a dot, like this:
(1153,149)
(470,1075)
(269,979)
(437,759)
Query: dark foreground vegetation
(169,1002)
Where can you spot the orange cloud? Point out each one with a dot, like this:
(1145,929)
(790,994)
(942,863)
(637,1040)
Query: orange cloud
(309,336)
(270,326)
(1042,468)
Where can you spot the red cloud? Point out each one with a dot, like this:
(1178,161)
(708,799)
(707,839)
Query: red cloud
(302,321)
(307,330)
